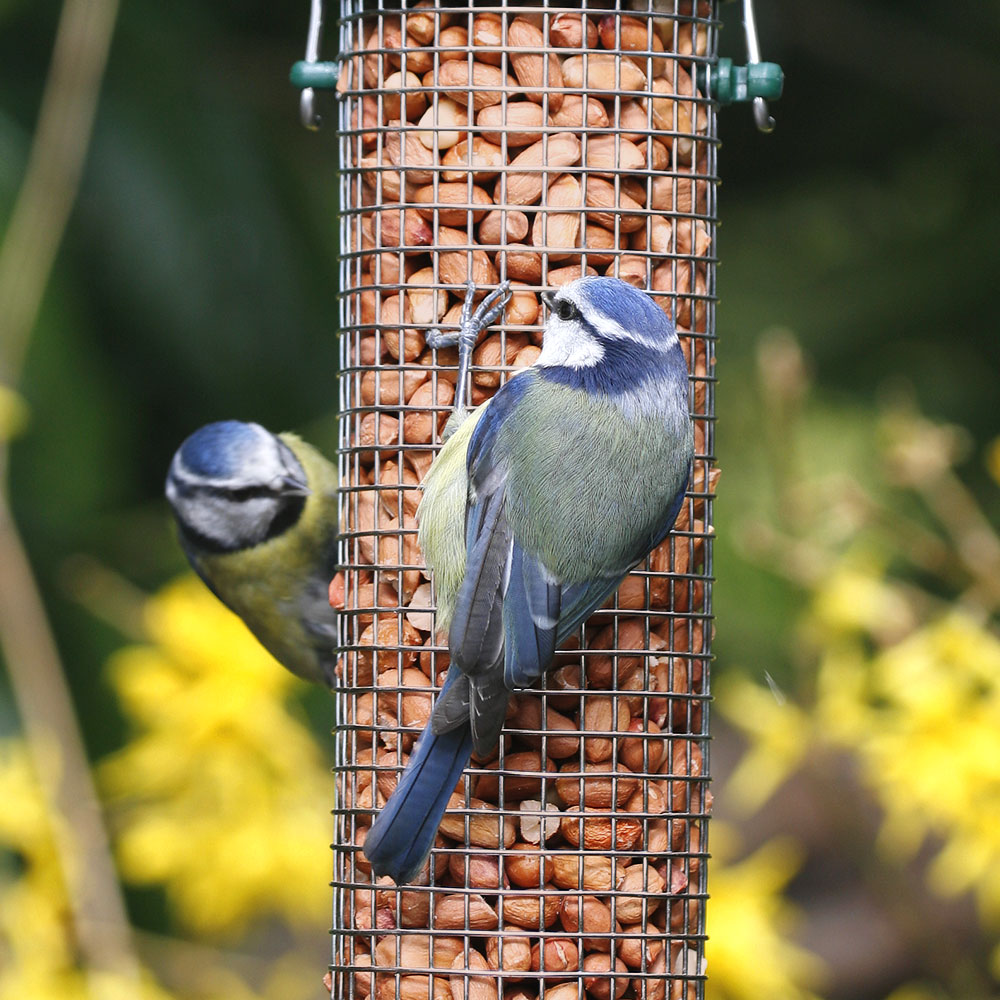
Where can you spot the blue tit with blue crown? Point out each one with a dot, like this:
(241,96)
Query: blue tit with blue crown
(256,515)
(536,508)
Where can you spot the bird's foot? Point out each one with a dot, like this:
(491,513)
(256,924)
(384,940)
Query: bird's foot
(472,323)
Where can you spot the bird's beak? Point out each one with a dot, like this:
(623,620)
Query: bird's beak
(290,486)
(549,298)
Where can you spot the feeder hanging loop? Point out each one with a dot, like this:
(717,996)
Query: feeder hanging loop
(758,82)
(311,74)
(765,123)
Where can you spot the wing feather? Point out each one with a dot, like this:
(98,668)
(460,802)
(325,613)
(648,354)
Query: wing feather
(531,608)
(475,638)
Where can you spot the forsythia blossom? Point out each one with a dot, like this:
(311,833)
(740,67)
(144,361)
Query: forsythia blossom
(748,953)
(921,713)
(37,950)
(221,795)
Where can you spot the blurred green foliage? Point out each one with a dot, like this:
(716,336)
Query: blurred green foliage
(197,281)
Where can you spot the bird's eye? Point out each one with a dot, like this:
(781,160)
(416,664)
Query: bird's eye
(566,310)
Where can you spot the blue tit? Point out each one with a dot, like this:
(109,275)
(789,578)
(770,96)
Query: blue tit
(257,518)
(533,512)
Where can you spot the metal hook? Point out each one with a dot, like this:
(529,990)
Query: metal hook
(764,121)
(310,73)
(307,103)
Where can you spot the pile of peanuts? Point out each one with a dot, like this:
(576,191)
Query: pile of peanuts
(570,859)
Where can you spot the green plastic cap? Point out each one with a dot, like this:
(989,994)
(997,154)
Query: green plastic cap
(735,84)
(319,75)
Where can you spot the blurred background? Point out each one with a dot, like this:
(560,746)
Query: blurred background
(857,722)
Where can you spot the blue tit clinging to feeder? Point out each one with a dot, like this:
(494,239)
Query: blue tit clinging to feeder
(533,512)
(257,518)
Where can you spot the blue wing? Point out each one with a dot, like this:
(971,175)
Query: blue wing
(476,637)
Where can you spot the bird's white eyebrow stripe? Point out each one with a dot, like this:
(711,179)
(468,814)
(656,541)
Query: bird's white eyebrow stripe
(611,329)
(189,480)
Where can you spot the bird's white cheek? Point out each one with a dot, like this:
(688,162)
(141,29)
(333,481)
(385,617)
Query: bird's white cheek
(568,347)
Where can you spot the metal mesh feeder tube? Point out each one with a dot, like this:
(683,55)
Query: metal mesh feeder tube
(533,145)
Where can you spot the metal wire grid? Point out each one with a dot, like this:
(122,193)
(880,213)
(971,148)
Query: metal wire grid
(496,888)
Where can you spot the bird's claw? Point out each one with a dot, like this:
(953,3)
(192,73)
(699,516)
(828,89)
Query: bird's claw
(489,309)
(471,324)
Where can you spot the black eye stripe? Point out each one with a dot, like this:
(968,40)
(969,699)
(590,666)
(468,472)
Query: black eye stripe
(243,494)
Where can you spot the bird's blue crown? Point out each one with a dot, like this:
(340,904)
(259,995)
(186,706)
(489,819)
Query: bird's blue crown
(220,450)
(634,310)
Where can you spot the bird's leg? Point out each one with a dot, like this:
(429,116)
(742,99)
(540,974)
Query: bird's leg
(472,323)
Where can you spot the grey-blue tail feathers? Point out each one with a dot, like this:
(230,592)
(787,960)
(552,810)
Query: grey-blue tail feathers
(403,832)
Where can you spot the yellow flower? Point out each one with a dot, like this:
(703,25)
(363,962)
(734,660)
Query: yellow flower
(929,747)
(855,597)
(779,733)
(842,713)
(36,940)
(33,899)
(748,952)
(221,795)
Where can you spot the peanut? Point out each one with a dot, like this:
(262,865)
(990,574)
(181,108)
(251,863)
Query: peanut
(600,792)
(629,34)
(515,786)
(459,911)
(528,868)
(484,85)
(572,31)
(523,183)
(547,725)
(520,124)
(476,156)
(609,154)
(605,72)
(601,985)
(502,226)
(577,111)
(555,955)
(483,871)
(600,832)
(418,951)
(531,911)
(533,71)
(455,193)
(589,872)
(640,947)
(486,828)
(612,206)
(647,883)
(478,987)
(441,125)
(603,715)
(487,30)
(510,952)
(453,37)
(403,92)
(588,915)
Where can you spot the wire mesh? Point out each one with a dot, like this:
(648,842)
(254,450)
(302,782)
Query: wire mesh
(534,144)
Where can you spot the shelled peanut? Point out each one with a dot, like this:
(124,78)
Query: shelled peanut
(567,144)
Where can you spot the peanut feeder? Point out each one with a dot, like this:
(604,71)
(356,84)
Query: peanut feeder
(535,144)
